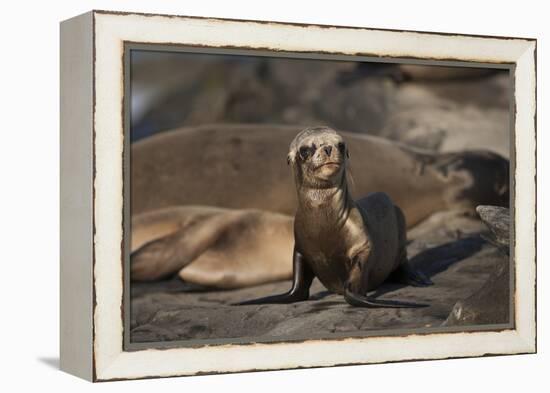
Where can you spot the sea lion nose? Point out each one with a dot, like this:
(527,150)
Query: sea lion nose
(328,150)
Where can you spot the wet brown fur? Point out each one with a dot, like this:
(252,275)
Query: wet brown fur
(343,241)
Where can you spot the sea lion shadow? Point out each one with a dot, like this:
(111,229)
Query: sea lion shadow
(320,295)
(435,260)
(317,307)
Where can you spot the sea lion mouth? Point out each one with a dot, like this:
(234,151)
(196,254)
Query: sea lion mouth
(329,164)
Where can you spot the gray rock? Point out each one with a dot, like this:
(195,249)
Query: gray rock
(447,129)
(458,262)
(438,73)
(497,220)
(481,308)
(360,107)
(436,108)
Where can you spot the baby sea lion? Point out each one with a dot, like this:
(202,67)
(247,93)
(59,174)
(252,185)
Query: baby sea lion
(240,167)
(351,247)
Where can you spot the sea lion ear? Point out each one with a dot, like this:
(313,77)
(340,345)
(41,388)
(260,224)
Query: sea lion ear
(347,153)
(288,159)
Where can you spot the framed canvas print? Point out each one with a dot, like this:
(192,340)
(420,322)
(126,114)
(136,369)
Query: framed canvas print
(245,195)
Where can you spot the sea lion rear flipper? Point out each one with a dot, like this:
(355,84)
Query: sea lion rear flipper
(358,300)
(285,298)
(302,278)
(406,274)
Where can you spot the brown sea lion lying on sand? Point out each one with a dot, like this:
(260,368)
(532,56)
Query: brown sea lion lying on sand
(211,246)
(243,167)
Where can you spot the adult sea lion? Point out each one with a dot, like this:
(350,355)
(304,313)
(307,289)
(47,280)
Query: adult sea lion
(211,246)
(351,247)
(240,166)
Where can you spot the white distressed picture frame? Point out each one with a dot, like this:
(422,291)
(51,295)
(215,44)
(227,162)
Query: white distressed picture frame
(92,194)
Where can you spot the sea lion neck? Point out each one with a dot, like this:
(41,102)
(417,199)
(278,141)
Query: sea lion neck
(336,199)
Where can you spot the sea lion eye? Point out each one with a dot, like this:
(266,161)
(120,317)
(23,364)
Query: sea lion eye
(342,147)
(306,152)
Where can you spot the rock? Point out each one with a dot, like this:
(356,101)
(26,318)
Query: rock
(225,90)
(490,92)
(361,107)
(451,129)
(458,264)
(497,220)
(156,75)
(453,224)
(481,307)
(437,108)
(438,73)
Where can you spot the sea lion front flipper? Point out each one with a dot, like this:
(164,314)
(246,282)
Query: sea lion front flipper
(357,300)
(406,274)
(301,282)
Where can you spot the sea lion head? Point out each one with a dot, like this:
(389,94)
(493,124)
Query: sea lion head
(319,157)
